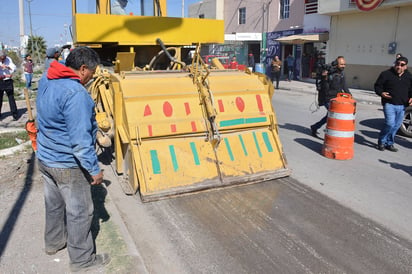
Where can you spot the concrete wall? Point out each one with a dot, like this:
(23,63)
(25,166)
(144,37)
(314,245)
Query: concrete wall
(212,9)
(363,38)
(345,6)
(254,16)
(295,20)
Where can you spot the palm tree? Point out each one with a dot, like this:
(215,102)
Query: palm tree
(36,47)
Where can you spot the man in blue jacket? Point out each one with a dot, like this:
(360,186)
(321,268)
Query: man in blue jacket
(67,157)
(395,87)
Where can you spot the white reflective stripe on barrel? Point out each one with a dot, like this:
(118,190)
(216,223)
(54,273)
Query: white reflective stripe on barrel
(341,116)
(339,133)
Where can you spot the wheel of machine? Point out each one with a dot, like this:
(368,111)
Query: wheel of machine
(406,127)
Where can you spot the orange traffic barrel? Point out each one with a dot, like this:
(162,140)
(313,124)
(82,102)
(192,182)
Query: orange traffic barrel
(340,128)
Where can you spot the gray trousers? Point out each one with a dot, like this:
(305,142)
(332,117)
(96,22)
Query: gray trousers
(69,212)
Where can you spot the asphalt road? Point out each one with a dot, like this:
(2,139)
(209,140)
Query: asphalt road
(329,217)
(280,226)
(375,184)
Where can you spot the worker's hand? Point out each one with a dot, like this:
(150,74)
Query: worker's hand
(386,95)
(97,179)
(410,101)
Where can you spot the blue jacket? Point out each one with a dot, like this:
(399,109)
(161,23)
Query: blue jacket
(66,121)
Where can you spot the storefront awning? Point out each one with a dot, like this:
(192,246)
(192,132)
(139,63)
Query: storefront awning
(304,38)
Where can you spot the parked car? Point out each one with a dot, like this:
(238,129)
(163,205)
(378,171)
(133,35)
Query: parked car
(225,60)
(406,127)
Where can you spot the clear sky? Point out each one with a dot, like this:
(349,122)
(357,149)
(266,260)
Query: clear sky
(51,19)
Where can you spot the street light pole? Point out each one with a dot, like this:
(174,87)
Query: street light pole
(21,17)
(31,29)
(35,49)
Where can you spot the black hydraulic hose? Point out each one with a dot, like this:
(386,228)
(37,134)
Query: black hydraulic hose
(165,50)
(172,59)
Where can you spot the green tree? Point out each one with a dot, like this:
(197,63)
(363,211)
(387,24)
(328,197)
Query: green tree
(36,47)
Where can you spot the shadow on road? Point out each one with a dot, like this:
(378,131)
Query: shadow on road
(8,227)
(407,169)
(99,193)
(312,145)
(375,123)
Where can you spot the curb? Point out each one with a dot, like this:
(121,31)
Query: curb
(12,150)
(361,96)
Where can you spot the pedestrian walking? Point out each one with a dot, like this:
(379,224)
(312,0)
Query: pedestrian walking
(251,61)
(67,158)
(7,68)
(394,86)
(290,61)
(275,73)
(28,70)
(331,83)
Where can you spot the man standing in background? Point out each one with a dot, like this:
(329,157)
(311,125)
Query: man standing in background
(7,68)
(52,54)
(28,70)
(290,61)
(395,88)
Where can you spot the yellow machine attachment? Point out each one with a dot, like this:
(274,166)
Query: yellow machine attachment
(183,128)
(177,132)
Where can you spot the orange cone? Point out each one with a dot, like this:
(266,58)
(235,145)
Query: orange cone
(340,128)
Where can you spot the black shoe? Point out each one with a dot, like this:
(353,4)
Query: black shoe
(380,147)
(54,251)
(99,261)
(15,117)
(391,148)
(314,131)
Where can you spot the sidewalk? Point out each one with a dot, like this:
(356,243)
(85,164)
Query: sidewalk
(308,86)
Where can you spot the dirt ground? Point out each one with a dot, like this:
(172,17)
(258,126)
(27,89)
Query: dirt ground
(22,217)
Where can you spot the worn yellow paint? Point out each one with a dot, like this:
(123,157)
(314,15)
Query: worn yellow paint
(162,128)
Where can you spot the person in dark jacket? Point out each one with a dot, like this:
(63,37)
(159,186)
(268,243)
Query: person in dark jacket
(332,82)
(395,88)
(251,62)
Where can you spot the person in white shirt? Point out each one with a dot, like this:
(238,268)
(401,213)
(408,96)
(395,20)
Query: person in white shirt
(7,68)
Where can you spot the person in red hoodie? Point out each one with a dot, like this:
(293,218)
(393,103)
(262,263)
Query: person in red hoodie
(67,158)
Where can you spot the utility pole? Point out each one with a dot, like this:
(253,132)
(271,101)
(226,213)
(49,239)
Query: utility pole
(183,8)
(31,29)
(34,48)
(21,21)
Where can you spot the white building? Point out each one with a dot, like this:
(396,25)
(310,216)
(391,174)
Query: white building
(255,25)
(369,38)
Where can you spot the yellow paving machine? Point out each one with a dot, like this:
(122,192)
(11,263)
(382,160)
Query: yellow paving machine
(176,126)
